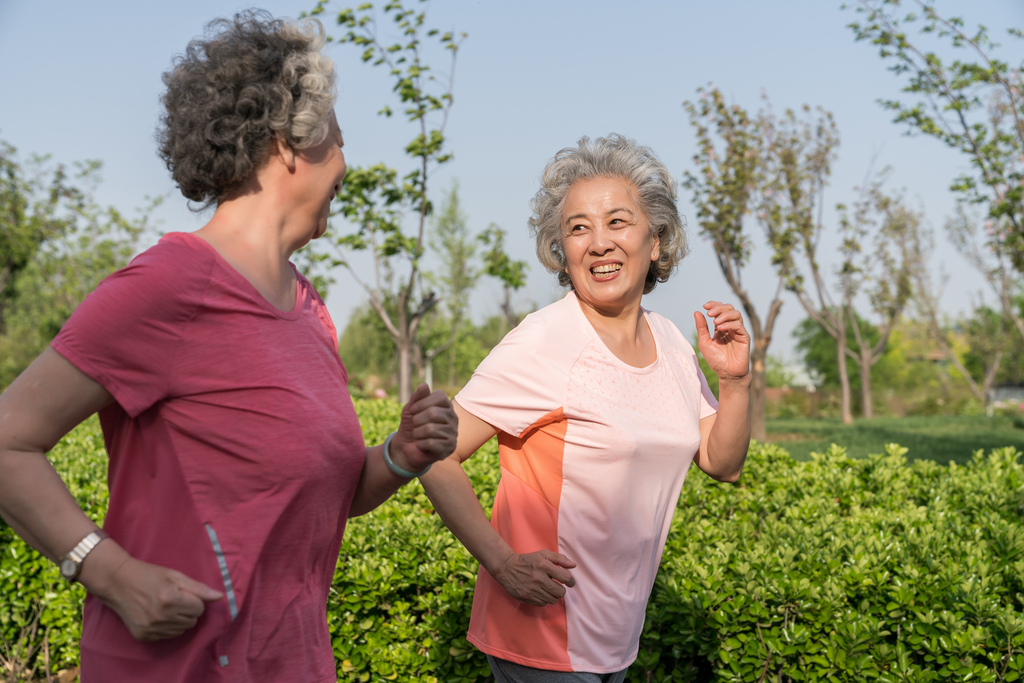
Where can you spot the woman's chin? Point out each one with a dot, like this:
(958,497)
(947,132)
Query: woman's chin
(607,295)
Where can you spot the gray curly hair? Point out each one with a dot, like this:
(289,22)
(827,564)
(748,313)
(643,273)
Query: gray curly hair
(615,156)
(250,79)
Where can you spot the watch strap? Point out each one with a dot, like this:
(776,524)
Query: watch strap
(80,551)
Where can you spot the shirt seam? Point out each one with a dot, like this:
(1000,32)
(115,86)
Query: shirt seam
(181,334)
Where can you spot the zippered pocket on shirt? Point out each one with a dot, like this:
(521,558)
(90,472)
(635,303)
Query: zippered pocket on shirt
(229,590)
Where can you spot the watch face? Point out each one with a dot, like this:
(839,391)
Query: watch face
(68,568)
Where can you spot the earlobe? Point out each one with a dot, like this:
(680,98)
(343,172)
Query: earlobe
(286,153)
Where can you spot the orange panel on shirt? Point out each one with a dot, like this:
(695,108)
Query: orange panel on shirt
(526,516)
(536,458)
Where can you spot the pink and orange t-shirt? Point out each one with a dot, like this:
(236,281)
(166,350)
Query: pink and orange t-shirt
(235,452)
(593,456)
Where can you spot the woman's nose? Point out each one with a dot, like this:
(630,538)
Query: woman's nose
(601,242)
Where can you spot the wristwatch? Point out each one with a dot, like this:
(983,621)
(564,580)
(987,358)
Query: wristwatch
(71,564)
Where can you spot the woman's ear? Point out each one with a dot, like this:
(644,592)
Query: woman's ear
(284,151)
(656,249)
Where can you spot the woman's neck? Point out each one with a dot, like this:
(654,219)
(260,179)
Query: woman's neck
(624,330)
(250,231)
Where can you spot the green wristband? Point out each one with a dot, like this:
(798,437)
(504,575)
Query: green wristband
(395,468)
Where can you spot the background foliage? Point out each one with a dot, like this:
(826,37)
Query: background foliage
(56,244)
(834,569)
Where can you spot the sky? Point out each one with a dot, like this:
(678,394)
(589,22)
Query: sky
(82,81)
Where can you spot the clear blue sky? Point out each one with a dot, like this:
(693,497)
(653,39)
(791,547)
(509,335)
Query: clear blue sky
(82,81)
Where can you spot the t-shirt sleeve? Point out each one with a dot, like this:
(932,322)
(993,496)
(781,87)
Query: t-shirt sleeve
(521,380)
(125,334)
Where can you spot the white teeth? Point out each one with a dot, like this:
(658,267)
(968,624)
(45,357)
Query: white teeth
(604,270)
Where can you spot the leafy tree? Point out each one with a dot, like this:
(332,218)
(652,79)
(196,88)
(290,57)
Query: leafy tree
(988,343)
(366,347)
(57,244)
(370,354)
(36,204)
(374,199)
(498,264)
(926,300)
(726,186)
(799,156)
(881,274)
(461,357)
(1004,282)
(974,105)
(456,277)
(820,353)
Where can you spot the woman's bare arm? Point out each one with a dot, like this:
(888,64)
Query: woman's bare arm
(44,403)
(537,578)
(426,434)
(725,436)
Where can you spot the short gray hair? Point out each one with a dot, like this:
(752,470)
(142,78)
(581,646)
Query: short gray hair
(615,156)
(249,80)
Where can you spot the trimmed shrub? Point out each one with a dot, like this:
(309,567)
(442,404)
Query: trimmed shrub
(829,570)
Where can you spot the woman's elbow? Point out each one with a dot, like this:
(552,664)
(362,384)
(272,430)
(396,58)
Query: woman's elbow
(727,472)
(727,477)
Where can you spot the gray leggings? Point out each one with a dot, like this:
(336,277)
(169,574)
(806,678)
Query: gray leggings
(509,672)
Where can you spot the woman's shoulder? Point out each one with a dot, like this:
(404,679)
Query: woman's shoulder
(176,269)
(177,257)
(558,327)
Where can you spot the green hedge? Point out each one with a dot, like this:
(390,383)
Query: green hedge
(828,570)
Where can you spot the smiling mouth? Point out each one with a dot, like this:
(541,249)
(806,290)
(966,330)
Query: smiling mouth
(606,270)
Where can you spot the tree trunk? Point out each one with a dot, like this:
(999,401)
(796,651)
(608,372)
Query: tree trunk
(511,319)
(990,375)
(844,376)
(758,430)
(404,370)
(867,410)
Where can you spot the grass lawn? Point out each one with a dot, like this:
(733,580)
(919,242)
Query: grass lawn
(938,438)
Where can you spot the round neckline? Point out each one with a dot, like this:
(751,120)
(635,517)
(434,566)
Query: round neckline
(647,369)
(244,281)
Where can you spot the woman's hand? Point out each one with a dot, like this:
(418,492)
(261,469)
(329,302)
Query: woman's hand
(538,578)
(155,603)
(428,431)
(728,351)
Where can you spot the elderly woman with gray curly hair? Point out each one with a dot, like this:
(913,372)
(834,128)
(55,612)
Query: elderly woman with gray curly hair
(235,453)
(599,406)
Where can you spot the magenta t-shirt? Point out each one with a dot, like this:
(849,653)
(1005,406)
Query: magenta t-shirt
(235,452)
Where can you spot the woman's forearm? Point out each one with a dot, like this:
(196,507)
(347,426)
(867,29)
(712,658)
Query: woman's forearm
(730,435)
(451,492)
(427,433)
(37,505)
(44,403)
(377,483)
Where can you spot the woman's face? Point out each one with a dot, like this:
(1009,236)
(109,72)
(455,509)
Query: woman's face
(607,242)
(324,169)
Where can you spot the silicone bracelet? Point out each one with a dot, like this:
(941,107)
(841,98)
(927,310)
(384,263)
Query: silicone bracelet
(395,468)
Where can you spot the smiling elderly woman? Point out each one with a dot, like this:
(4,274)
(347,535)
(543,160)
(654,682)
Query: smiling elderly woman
(235,453)
(599,407)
